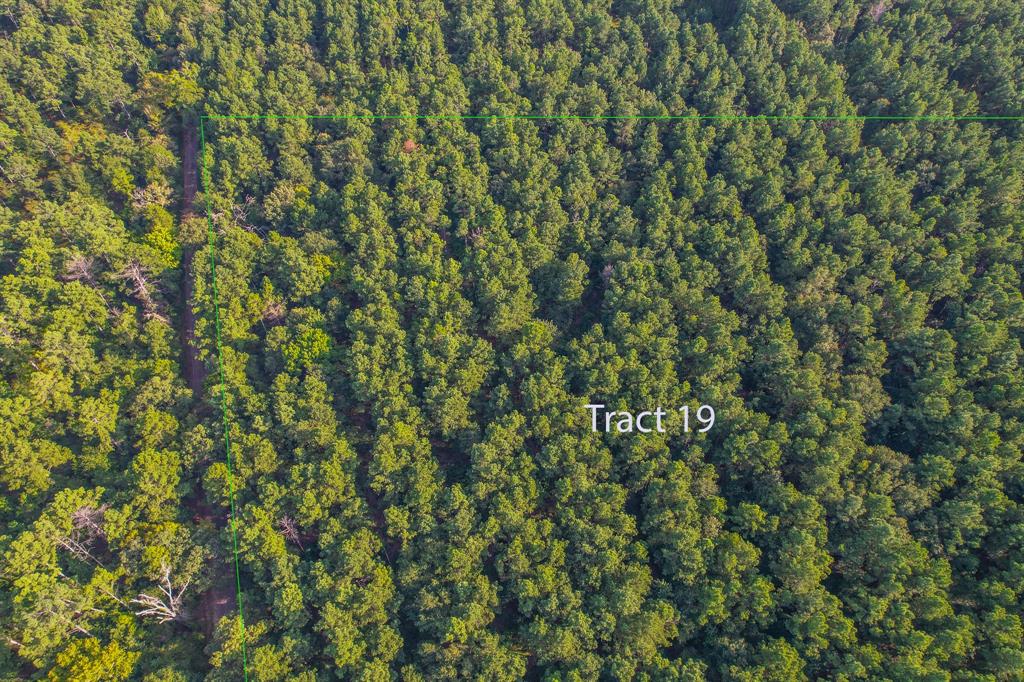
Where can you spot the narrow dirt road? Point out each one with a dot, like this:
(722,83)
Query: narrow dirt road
(192,369)
(219,600)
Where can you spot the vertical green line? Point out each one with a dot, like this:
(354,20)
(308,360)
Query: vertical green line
(223,390)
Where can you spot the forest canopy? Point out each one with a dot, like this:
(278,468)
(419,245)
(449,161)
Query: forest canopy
(302,302)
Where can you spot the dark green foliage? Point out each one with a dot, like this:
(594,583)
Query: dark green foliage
(413,313)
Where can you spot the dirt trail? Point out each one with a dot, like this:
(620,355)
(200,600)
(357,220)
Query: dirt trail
(192,369)
(220,599)
(216,603)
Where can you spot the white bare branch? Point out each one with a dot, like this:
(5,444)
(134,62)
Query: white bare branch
(165,607)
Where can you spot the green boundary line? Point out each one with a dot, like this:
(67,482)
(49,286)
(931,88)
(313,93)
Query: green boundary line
(211,237)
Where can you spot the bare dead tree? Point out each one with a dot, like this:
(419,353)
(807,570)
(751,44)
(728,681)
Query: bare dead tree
(240,213)
(79,268)
(290,530)
(86,527)
(154,193)
(273,313)
(89,520)
(165,607)
(137,276)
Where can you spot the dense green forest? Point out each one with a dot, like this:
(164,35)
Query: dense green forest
(413,311)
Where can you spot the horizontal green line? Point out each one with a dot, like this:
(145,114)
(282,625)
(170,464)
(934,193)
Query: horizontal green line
(694,117)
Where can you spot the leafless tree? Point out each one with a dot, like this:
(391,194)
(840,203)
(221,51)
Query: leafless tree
(290,530)
(90,520)
(165,607)
(134,273)
(79,268)
(240,213)
(86,527)
(273,313)
(155,193)
(137,276)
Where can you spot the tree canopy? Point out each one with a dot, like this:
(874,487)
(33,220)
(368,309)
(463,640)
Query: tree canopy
(439,230)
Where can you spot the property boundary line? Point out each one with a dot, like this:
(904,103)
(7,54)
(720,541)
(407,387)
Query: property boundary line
(211,237)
